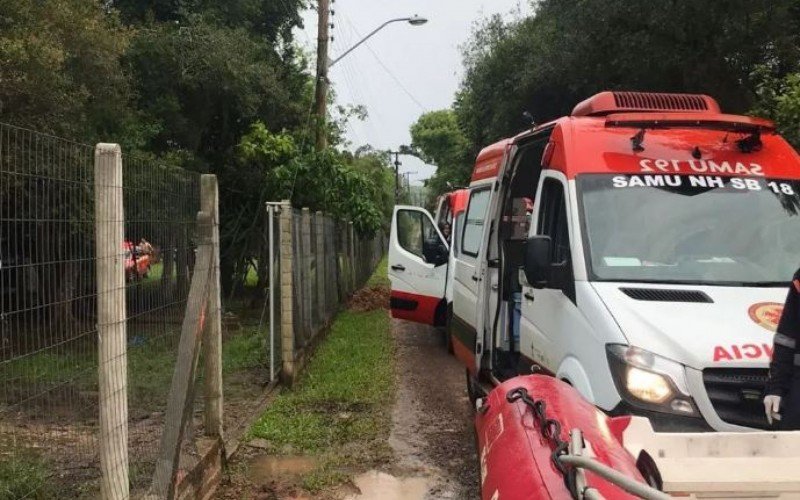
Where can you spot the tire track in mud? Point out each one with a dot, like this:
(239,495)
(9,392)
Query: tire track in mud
(432,432)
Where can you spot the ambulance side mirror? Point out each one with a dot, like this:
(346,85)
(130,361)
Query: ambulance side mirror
(538,260)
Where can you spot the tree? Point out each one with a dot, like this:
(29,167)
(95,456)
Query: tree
(779,99)
(60,68)
(569,50)
(440,141)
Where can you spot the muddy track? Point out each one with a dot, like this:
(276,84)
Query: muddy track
(432,433)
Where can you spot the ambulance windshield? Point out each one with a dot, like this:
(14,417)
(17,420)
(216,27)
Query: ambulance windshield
(691,229)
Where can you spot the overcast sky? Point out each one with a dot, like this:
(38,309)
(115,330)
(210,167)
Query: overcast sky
(404,70)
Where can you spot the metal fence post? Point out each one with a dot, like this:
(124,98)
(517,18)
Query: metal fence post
(271,211)
(111,316)
(287,292)
(212,343)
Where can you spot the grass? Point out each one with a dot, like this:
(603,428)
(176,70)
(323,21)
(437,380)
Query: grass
(25,476)
(244,351)
(339,411)
(381,275)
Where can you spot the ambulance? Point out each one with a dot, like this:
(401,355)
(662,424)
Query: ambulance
(650,273)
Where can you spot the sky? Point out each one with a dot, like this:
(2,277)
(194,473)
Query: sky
(403,71)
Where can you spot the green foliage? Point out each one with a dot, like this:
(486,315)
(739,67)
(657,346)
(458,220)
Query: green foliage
(779,99)
(440,140)
(355,188)
(60,67)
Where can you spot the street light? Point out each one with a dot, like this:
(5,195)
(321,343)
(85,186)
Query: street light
(414,20)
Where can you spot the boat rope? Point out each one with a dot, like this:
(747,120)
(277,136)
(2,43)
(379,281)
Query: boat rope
(568,463)
(550,429)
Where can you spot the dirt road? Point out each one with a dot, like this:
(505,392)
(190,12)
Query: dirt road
(432,433)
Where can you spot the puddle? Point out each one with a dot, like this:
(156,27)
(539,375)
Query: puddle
(265,469)
(376,485)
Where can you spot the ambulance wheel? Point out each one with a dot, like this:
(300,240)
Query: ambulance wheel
(448,334)
(473,390)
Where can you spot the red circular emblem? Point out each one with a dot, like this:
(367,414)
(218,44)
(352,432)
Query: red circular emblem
(766,314)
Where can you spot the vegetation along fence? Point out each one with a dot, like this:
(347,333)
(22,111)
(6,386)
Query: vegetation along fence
(320,262)
(97,269)
(110,296)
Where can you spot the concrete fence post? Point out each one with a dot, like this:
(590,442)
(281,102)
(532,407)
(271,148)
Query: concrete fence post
(322,310)
(111,318)
(286,256)
(307,281)
(353,263)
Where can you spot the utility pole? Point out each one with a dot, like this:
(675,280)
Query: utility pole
(321,97)
(396,174)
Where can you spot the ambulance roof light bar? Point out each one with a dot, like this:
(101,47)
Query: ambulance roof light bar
(606,103)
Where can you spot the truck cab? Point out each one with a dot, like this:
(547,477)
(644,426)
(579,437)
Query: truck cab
(639,249)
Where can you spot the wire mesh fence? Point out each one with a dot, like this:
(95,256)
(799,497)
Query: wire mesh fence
(59,318)
(48,350)
(161,204)
(103,303)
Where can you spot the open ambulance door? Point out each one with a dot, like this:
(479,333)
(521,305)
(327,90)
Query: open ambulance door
(418,258)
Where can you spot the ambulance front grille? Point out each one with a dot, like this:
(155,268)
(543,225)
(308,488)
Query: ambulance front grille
(736,395)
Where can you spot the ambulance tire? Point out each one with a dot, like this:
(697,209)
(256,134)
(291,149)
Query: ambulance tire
(473,390)
(448,334)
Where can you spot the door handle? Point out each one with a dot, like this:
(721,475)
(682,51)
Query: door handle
(495,287)
(398,267)
(529,296)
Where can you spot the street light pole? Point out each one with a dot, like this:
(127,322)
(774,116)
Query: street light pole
(413,21)
(324,64)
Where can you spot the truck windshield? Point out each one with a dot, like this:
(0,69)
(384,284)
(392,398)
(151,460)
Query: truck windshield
(691,229)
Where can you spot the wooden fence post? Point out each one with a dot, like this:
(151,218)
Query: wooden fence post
(286,255)
(111,317)
(179,404)
(212,341)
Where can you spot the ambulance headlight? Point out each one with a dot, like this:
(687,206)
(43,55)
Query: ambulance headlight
(647,386)
(649,381)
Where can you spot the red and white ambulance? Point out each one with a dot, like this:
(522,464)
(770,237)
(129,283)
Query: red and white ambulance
(650,273)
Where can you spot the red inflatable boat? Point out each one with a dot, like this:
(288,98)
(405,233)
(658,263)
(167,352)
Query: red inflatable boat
(524,428)
(539,439)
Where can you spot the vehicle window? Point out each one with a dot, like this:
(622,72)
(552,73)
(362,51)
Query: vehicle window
(417,234)
(457,223)
(473,225)
(553,219)
(690,229)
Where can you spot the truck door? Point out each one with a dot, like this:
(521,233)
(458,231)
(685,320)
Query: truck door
(468,279)
(418,257)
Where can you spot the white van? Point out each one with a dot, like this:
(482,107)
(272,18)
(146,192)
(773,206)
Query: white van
(649,275)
